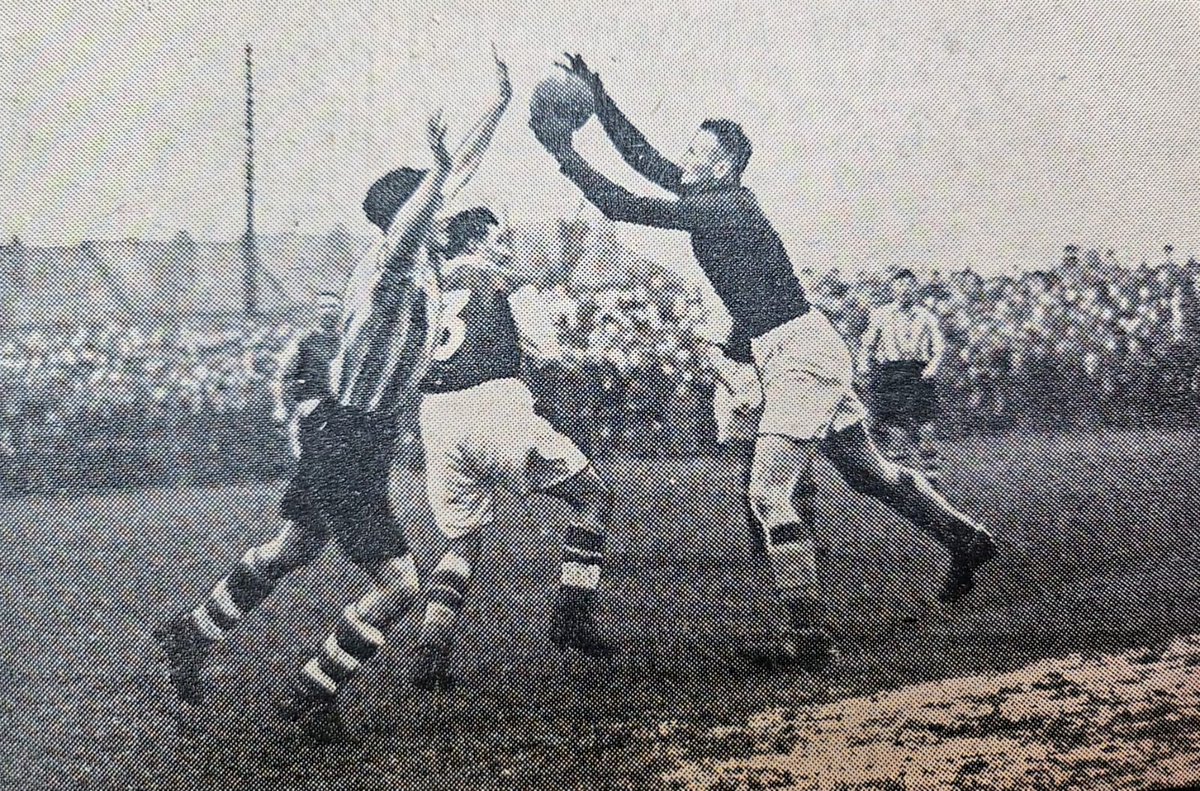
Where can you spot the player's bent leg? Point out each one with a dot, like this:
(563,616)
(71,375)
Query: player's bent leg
(360,632)
(188,639)
(445,594)
(743,451)
(357,637)
(573,624)
(781,493)
(908,493)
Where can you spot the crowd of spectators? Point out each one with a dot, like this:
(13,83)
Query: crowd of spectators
(123,404)
(1088,343)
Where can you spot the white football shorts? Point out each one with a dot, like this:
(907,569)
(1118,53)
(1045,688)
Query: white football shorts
(485,438)
(806,374)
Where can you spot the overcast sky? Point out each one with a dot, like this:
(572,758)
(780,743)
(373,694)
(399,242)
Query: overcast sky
(985,133)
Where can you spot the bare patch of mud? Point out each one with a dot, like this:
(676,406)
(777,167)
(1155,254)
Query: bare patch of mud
(1115,721)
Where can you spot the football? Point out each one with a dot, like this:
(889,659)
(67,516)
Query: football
(562,101)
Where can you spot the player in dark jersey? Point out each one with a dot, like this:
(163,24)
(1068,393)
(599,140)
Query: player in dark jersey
(804,366)
(480,433)
(340,487)
(304,368)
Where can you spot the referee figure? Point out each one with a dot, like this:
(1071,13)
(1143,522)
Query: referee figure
(901,353)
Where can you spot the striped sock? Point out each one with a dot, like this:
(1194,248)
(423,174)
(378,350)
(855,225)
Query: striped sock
(352,643)
(234,596)
(583,554)
(931,465)
(446,592)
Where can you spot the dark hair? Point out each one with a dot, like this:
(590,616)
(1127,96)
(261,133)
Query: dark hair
(388,194)
(733,140)
(466,227)
(904,274)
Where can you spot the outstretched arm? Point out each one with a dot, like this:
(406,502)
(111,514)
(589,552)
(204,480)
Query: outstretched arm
(411,225)
(469,153)
(628,140)
(690,213)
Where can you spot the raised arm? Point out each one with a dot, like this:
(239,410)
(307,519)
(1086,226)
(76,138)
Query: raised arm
(412,223)
(469,154)
(628,140)
(706,211)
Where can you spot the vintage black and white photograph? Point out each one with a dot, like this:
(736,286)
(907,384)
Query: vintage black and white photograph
(719,395)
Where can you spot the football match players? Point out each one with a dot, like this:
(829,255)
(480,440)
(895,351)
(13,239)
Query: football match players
(340,487)
(304,368)
(901,353)
(481,433)
(804,365)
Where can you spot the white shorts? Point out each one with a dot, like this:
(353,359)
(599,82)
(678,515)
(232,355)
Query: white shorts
(806,375)
(484,438)
(737,403)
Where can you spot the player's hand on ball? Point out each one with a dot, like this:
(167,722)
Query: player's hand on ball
(575,65)
(436,131)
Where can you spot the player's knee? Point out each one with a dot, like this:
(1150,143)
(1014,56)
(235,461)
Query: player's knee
(597,506)
(398,575)
(466,546)
(771,501)
(803,495)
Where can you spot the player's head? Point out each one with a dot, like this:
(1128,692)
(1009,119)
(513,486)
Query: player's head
(904,286)
(329,310)
(470,232)
(717,155)
(388,194)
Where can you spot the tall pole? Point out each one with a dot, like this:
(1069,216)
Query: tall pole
(249,242)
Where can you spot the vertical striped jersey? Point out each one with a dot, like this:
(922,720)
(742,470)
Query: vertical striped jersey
(900,335)
(387,332)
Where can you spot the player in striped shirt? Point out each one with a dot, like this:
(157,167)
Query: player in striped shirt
(340,487)
(901,353)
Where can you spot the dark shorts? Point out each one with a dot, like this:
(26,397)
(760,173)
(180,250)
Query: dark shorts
(900,397)
(341,482)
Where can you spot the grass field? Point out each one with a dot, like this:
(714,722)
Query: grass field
(1110,561)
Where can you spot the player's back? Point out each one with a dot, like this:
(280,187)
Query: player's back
(479,341)
(747,263)
(387,337)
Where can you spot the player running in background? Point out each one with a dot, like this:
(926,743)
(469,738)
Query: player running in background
(480,433)
(340,487)
(304,368)
(805,368)
(901,353)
